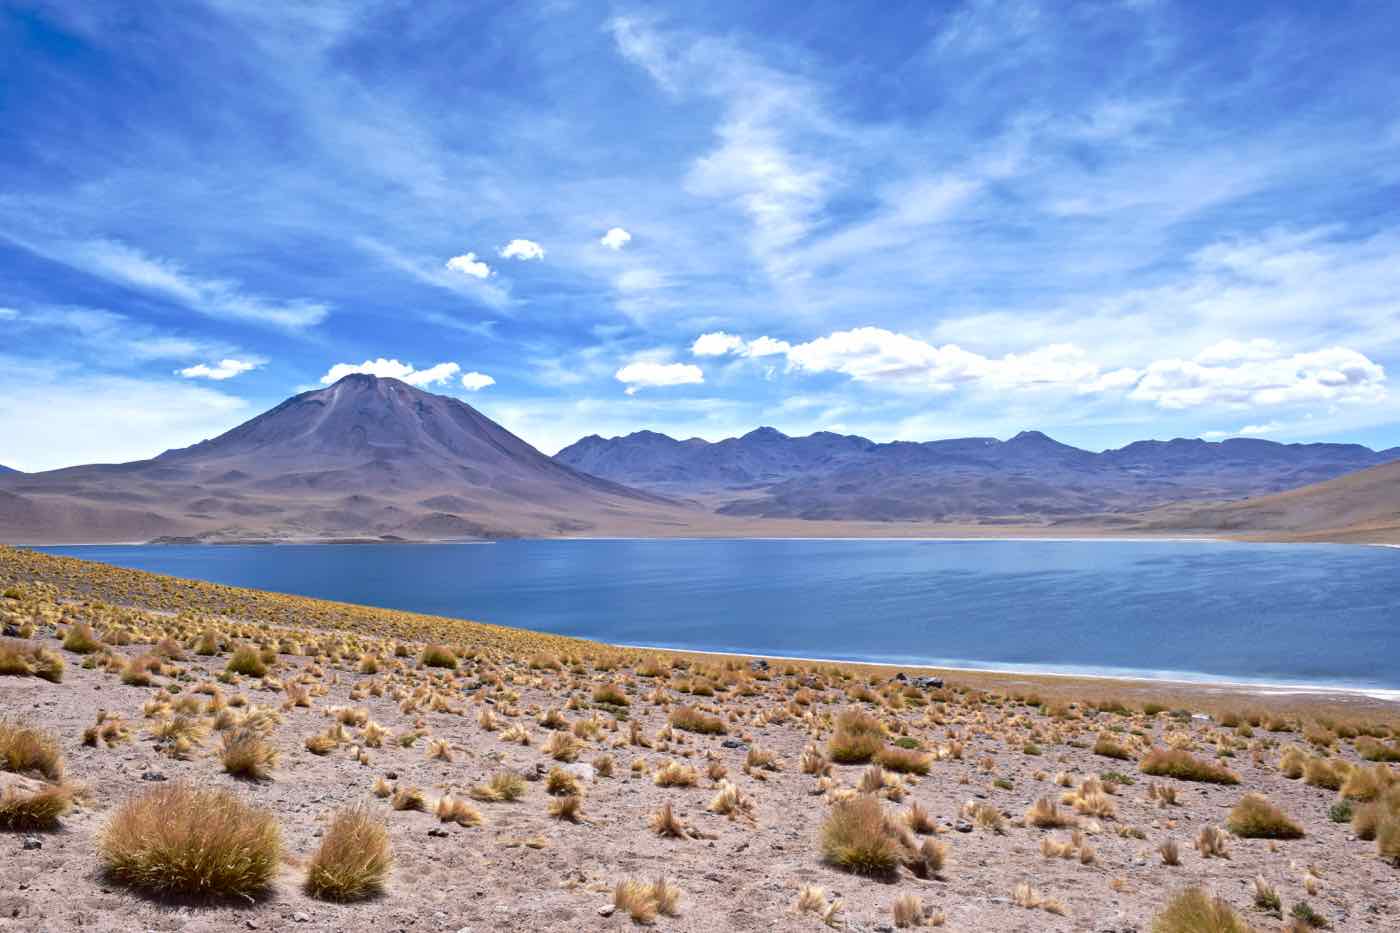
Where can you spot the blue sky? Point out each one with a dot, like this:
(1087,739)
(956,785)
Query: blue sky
(1104,220)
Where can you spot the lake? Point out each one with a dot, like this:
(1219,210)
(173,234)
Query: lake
(1294,614)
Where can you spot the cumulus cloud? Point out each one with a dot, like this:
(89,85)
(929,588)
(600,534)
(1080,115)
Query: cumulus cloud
(476,381)
(224,369)
(1334,374)
(522,249)
(1241,373)
(468,264)
(615,238)
(716,343)
(649,374)
(393,369)
(719,343)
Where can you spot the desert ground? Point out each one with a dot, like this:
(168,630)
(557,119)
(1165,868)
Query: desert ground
(185,756)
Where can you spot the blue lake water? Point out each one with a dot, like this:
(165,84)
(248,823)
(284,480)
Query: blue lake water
(1306,614)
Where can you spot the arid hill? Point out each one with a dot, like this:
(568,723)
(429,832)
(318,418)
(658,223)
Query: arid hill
(366,457)
(1362,506)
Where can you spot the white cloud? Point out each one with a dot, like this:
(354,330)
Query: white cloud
(522,250)
(766,346)
(223,298)
(649,374)
(640,280)
(393,369)
(1252,373)
(1235,351)
(468,264)
(8,314)
(224,369)
(1334,374)
(716,343)
(719,343)
(616,238)
(53,419)
(476,381)
(1253,429)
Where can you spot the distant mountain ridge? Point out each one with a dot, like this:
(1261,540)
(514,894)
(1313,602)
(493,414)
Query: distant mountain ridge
(4,469)
(833,476)
(364,458)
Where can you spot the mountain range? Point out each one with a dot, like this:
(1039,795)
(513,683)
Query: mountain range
(376,459)
(826,476)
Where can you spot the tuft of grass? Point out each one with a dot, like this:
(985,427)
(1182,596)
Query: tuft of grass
(610,695)
(438,656)
(34,810)
(20,658)
(1182,765)
(27,750)
(1194,911)
(248,661)
(353,859)
(856,837)
(248,754)
(643,901)
(903,760)
(81,639)
(1255,817)
(568,807)
(176,839)
(675,774)
(690,719)
(858,738)
(503,785)
(1110,747)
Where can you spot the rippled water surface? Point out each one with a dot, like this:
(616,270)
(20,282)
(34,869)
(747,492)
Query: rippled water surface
(1278,613)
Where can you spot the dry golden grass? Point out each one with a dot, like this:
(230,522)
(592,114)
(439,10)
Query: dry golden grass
(1182,765)
(568,807)
(690,719)
(908,911)
(247,661)
(26,750)
(175,839)
(858,738)
(502,786)
(643,901)
(1110,747)
(247,753)
(81,639)
(903,760)
(451,809)
(438,656)
(353,859)
(1255,817)
(37,810)
(675,774)
(20,658)
(1194,911)
(855,836)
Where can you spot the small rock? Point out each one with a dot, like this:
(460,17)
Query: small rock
(152,776)
(963,826)
(606,910)
(251,924)
(732,743)
(33,842)
(437,831)
(301,916)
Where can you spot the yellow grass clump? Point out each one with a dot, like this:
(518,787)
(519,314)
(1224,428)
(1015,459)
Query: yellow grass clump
(1194,911)
(176,839)
(1255,817)
(353,859)
(1182,765)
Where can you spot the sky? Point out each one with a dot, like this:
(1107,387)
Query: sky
(1103,220)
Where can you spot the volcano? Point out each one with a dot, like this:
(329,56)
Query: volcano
(367,457)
